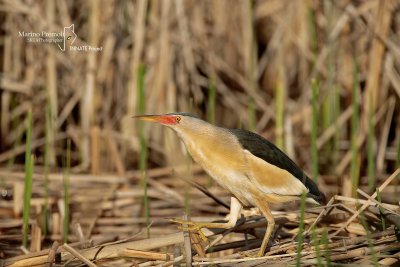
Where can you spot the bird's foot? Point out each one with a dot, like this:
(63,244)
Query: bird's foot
(191,227)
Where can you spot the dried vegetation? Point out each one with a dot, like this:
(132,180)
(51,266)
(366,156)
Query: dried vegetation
(318,78)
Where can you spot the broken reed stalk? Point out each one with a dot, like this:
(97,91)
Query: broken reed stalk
(29,163)
(78,255)
(140,74)
(368,202)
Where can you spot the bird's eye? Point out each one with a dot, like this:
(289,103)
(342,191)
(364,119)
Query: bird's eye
(178,119)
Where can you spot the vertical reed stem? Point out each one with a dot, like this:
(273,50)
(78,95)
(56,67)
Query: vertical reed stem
(46,171)
(370,148)
(279,112)
(381,210)
(250,61)
(354,172)
(314,129)
(51,86)
(29,161)
(142,139)
(66,185)
(300,236)
(212,94)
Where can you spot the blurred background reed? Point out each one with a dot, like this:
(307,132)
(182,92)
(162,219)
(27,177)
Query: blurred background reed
(321,79)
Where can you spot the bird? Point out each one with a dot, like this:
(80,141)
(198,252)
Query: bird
(251,168)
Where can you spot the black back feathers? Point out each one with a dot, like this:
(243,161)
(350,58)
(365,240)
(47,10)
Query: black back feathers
(265,150)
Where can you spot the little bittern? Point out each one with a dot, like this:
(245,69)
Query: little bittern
(254,170)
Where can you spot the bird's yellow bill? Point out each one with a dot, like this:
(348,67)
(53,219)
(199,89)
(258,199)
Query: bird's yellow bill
(163,119)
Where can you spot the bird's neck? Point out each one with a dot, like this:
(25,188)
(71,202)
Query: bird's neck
(207,145)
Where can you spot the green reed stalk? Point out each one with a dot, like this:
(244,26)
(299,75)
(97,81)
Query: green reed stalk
(336,138)
(212,95)
(15,123)
(355,120)
(325,241)
(141,107)
(312,28)
(252,115)
(396,189)
(317,247)
(66,186)
(314,129)
(189,173)
(370,149)
(300,236)
(398,153)
(381,210)
(46,172)
(329,103)
(29,161)
(364,223)
(279,113)
(251,68)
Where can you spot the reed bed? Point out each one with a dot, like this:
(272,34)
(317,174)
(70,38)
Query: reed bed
(82,183)
(104,231)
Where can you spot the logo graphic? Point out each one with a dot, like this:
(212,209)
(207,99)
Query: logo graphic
(64,40)
(69,36)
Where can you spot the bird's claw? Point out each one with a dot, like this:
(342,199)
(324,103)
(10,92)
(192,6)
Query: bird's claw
(190,227)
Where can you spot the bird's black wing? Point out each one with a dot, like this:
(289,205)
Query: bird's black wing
(265,150)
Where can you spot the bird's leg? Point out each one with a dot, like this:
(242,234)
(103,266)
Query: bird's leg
(234,213)
(263,206)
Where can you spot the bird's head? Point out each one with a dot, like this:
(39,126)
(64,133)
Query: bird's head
(184,124)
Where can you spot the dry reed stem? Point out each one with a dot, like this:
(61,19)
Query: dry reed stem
(380,158)
(372,96)
(187,245)
(376,202)
(52,254)
(78,255)
(149,255)
(381,188)
(36,238)
(114,154)
(95,150)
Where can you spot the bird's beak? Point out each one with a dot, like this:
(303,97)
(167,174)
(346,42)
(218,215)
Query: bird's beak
(162,119)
